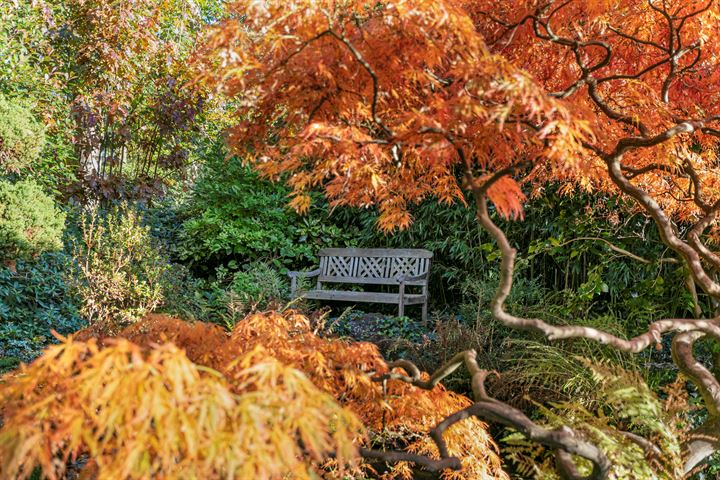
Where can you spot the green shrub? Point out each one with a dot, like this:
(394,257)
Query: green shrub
(30,223)
(259,283)
(22,137)
(233,214)
(226,297)
(123,275)
(33,302)
(193,298)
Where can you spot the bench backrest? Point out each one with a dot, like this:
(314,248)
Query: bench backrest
(377,266)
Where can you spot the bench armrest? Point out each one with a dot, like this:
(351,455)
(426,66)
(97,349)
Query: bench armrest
(410,278)
(311,273)
(295,275)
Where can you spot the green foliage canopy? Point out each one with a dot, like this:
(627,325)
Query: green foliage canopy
(30,222)
(22,137)
(235,216)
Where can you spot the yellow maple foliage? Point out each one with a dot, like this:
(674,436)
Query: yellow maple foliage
(142,415)
(272,399)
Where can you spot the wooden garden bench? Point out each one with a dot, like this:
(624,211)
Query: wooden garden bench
(369,266)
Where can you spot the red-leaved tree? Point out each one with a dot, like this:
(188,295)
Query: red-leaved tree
(388,103)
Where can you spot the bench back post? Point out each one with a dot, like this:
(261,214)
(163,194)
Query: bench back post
(323,266)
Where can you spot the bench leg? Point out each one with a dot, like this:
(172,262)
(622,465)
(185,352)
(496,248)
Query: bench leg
(401,308)
(424,312)
(293,286)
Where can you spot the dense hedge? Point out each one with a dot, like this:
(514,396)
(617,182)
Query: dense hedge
(30,222)
(22,137)
(232,215)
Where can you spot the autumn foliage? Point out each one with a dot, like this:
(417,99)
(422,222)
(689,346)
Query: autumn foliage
(268,400)
(329,105)
(464,87)
(389,103)
(631,69)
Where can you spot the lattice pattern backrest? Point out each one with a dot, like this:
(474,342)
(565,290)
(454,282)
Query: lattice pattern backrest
(339,266)
(372,267)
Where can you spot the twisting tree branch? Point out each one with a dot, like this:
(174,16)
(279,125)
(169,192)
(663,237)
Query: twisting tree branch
(698,229)
(375,83)
(702,442)
(682,349)
(688,330)
(563,440)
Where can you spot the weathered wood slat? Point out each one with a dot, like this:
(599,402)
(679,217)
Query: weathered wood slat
(371,297)
(376,252)
(369,280)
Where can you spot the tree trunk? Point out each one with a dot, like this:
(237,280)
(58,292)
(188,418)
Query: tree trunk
(703,442)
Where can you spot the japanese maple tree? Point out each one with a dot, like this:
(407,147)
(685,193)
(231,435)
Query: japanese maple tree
(388,103)
(272,400)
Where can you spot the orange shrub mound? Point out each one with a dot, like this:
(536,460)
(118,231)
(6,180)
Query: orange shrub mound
(146,410)
(401,414)
(157,329)
(142,414)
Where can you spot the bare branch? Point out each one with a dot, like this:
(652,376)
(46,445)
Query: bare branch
(702,442)
(698,229)
(682,350)
(427,463)
(635,39)
(609,112)
(376,89)
(415,377)
(563,440)
(619,250)
(663,222)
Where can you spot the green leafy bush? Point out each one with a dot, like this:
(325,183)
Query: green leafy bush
(624,403)
(22,137)
(259,283)
(193,298)
(123,275)
(226,297)
(34,301)
(233,214)
(30,223)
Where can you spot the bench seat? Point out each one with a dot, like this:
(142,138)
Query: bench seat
(369,297)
